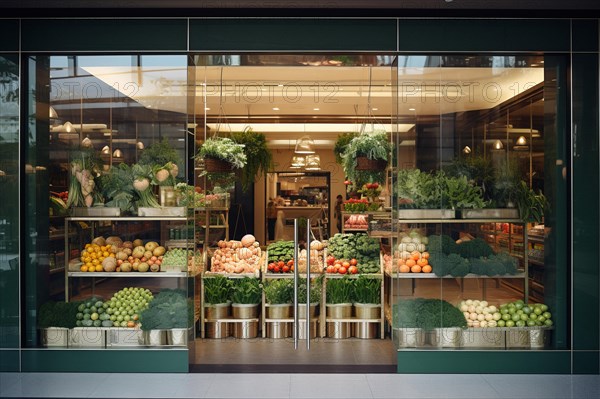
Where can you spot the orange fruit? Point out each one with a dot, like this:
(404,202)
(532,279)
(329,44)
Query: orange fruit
(99,268)
(401,262)
(422,262)
(410,262)
(426,269)
(404,269)
(416,255)
(425,255)
(83,268)
(416,269)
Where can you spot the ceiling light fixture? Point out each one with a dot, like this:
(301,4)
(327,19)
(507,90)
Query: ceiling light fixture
(313,162)
(298,161)
(86,142)
(117,153)
(139,145)
(304,145)
(275,108)
(467,149)
(521,140)
(105,150)
(498,145)
(53,114)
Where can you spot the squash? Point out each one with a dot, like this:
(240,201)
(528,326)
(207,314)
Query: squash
(99,241)
(245,253)
(114,240)
(126,267)
(248,240)
(120,255)
(151,245)
(137,243)
(155,268)
(127,244)
(138,252)
(109,264)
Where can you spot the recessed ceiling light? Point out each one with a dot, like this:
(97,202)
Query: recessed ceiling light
(412,109)
(316,109)
(279,85)
(207,109)
(375,109)
(275,109)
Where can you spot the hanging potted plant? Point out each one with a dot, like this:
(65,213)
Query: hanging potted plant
(221,154)
(259,158)
(341,144)
(366,157)
(278,298)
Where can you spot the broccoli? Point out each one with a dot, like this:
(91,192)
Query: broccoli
(442,243)
(487,266)
(452,264)
(427,314)
(475,248)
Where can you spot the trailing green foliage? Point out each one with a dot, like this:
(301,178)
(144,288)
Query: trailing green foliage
(279,291)
(375,146)
(58,314)
(477,169)
(339,290)
(246,291)
(259,157)
(367,290)
(427,314)
(217,289)
(225,149)
(341,144)
(169,309)
(531,206)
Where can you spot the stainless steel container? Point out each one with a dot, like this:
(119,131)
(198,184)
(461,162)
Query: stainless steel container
(339,329)
(154,337)
(517,337)
(177,337)
(245,329)
(426,214)
(166,211)
(244,311)
(278,330)
(495,213)
(302,310)
(366,330)
(367,310)
(124,337)
(539,337)
(55,337)
(339,311)
(217,329)
(486,337)
(446,337)
(409,337)
(217,311)
(279,311)
(99,211)
(94,337)
(302,329)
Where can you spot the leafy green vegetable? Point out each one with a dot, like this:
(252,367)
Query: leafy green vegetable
(117,188)
(494,265)
(259,157)
(279,291)
(246,291)
(367,290)
(452,264)
(339,290)
(442,243)
(217,289)
(58,314)
(159,153)
(280,251)
(427,314)
(315,290)
(459,193)
(475,248)
(169,309)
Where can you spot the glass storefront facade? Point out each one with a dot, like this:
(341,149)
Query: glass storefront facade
(527,109)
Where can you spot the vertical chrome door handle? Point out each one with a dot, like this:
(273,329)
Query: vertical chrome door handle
(307,284)
(296,261)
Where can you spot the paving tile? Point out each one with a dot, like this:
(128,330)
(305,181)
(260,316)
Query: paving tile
(55,385)
(329,386)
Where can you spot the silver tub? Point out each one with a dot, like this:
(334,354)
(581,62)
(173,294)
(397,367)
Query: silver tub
(278,330)
(217,329)
(92,337)
(244,311)
(339,329)
(166,211)
(99,211)
(426,214)
(446,337)
(367,310)
(245,329)
(339,311)
(177,337)
(55,337)
(409,337)
(124,337)
(489,337)
(154,337)
(492,213)
(366,330)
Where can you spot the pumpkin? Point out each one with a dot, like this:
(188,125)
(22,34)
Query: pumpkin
(248,240)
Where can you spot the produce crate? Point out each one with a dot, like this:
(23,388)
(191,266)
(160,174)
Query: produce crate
(89,337)
(124,337)
(164,211)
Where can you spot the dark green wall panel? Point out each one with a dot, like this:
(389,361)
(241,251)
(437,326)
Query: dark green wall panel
(292,34)
(106,361)
(586,362)
(9,360)
(586,289)
(9,34)
(104,35)
(484,362)
(585,35)
(484,35)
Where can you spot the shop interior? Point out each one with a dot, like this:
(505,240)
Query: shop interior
(481,110)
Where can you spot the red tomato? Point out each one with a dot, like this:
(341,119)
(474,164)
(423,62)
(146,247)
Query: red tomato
(336,268)
(330,269)
(277,269)
(271,267)
(330,260)
(353,262)
(342,270)
(290,262)
(285,269)
(280,263)
(353,270)
(346,264)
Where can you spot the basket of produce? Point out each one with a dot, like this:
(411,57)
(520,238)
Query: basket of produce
(237,257)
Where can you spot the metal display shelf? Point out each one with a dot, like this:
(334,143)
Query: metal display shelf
(128,274)
(126,219)
(470,275)
(462,221)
